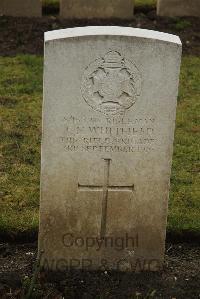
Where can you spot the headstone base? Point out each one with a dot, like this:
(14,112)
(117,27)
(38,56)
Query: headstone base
(173,8)
(21,8)
(81,9)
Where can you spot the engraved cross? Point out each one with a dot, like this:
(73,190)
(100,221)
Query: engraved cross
(106,187)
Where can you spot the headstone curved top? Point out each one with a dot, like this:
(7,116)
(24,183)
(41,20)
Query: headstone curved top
(111,30)
(108,124)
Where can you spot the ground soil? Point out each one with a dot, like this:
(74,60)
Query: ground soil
(179,279)
(25,35)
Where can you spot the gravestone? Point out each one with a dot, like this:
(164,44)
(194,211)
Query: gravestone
(21,8)
(173,8)
(103,9)
(108,127)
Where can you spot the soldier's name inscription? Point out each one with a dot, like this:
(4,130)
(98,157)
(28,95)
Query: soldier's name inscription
(119,135)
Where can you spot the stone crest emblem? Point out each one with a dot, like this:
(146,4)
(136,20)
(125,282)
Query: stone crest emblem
(111,84)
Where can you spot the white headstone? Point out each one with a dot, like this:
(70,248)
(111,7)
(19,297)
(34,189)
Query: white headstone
(108,126)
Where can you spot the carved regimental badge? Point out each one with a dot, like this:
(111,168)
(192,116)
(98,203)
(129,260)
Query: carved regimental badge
(111,84)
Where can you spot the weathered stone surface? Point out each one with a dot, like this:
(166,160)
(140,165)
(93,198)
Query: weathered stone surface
(21,8)
(89,9)
(108,127)
(172,8)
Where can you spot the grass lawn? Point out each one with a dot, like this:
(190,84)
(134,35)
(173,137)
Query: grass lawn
(145,2)
(21,101)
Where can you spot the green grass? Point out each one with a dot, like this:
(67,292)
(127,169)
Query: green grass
(145,2)
(185,179)
(179,24)
(53,3)
(21,95)
(47,2)
(21,98)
